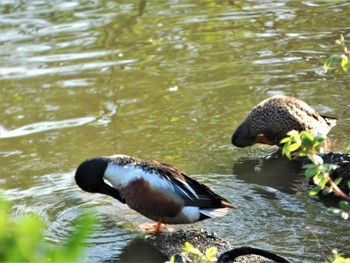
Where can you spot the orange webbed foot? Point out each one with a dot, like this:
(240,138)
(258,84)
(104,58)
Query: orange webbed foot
(153,227)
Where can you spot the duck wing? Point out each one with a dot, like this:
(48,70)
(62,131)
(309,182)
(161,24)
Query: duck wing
(191,191)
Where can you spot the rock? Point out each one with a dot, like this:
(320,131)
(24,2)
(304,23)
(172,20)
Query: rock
(343,170)
(172,244)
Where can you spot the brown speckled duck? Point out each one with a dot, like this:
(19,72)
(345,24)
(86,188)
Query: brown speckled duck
(156,190)
(271,120)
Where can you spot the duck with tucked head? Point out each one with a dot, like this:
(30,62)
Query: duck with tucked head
(156,190)
(271,120)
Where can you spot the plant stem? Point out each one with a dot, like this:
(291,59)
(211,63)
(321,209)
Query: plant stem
(335,189)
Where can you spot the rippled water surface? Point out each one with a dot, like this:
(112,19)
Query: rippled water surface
(167,80)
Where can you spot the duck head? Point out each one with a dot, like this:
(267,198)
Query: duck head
(244,135)
(248,134)
(90,177)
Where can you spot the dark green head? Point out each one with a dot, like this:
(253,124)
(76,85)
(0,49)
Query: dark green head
(90,177)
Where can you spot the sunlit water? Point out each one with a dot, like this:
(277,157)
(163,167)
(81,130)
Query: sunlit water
(168,81)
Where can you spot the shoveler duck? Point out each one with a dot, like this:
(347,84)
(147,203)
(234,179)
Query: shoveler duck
(271,120)
(156,190)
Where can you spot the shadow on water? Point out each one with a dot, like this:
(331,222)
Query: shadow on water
(139,251)
(273,171)
(277,172)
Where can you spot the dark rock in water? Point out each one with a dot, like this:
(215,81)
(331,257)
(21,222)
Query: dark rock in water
(343,170)
(172,244)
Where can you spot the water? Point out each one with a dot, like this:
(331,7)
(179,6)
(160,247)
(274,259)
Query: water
(168,81)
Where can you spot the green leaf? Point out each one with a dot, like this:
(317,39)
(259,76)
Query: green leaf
(311,171)
(316,179)
(345,63)
(337,181)
(322,183)
(307,138)
(314,191)
(305,141)
(334,210)
(70,251)
(347,149)
(303,152)
(210,254)
(319,139)
(24,239)
(29,235)
(314,174)
(327,167)
(286,151)
(340,41)
(171,260)
(294,146)
(285,140)
(344,205)
(329,61)
(188,247)
(326,191)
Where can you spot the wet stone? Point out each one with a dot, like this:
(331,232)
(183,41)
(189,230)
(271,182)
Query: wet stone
(172,244)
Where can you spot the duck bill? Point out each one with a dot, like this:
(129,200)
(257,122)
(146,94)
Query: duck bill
(109,190)
(261,138)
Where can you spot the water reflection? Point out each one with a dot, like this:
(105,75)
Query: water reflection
(43,126)
(273,171)
(139,250)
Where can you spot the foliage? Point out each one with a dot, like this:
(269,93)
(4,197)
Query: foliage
(347,149)
(310,146)
(344,58)
(22,239)
(338,258)
(197,256)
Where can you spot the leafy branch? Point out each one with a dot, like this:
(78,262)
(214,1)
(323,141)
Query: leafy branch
(311,146)
(338,258)
(197,255)
(344,58)
(21,238)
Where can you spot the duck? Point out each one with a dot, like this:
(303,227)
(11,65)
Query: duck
(271,120)
(156,190)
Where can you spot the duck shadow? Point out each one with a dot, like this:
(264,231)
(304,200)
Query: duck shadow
(273,171)
(277,172)
(139,250)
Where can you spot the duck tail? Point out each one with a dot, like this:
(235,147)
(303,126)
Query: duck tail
(214,212)
(227,204)
(331,121)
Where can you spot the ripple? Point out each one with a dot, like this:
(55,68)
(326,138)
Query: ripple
(69,56)
(276,61)
(75,83)
(43,126)
(60,205)
(25,72)
(111,110)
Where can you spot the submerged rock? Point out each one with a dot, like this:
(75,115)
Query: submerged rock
(172,244)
